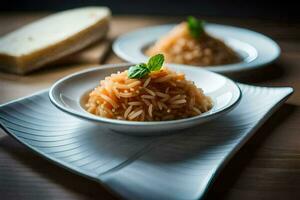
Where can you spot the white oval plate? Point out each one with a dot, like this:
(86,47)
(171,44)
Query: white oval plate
(67,95)
(255,49)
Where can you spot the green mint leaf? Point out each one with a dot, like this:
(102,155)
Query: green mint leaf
(138,71)
(156,62)
(196,27)
(141,70)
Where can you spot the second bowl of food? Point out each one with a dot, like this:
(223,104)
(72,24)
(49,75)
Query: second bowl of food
(215,47)
(146,98)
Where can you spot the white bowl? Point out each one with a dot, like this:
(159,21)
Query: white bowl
(67,95)
(256,50)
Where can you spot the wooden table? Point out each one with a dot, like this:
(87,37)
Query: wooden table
(267,167)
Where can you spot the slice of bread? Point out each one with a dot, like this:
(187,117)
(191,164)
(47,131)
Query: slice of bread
(52,38)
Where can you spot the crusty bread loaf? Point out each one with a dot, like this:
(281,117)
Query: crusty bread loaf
(51,38)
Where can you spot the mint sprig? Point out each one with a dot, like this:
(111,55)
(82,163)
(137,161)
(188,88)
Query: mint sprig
(196,27)
(138,71)
(155,62)
(141,70)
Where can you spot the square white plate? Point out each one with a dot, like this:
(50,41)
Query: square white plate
(179,166)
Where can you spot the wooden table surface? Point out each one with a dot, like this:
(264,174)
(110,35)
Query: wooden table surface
(267,167)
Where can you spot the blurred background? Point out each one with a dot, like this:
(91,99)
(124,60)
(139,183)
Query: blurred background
(279,10)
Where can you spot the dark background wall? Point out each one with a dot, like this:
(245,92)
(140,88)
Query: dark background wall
(281,10)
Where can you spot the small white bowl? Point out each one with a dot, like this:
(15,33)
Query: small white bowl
(68,93)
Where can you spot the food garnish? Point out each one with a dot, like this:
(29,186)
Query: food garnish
(196,26)
(141,70)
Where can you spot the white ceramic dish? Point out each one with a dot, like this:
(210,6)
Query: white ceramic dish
(68,93)
(177,167)
(256,50)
